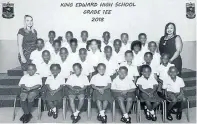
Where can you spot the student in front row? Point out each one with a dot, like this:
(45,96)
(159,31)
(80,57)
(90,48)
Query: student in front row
(52,89)
(101,83)
(174,86)
(77,83)
(124,89)
(30,85)
(148,85)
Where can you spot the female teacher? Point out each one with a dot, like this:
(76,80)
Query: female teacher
(26,39)
(172,44)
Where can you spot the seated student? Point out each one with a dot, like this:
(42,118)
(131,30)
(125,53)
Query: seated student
(125,44)
(43,68)
(148,85)
(86,65)
(36,55)
(68,37)
(106,42)
(118,51)
(152,46)
(101,83)
(49,44)
(77,84)
(84,39)
(73,51)
(55,52)
(122,88)
(109,60)
(142,37)
(132,69)
(30,85)
(53,90)
(138,55)
(65,63)
(174,86)
(94,54)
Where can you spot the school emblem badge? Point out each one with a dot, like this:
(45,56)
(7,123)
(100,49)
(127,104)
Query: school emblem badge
(190,10)
(8,10)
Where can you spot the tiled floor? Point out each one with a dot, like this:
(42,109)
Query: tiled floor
(6,117)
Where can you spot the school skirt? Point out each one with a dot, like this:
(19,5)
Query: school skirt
(36,91)
(73,92)
(170,96)
(144,97)
(125,96)
(56,97)
(105,96)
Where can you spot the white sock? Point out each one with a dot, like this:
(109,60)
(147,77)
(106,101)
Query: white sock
(54,109)
(126,115)
(152,112)
(102,112)
(76,113)
(145,107)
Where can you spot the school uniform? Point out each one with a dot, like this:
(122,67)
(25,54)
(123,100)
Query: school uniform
(173,88)
(144,48)
(73,57)
(44,68)
(65,44)
(82,45)
(138,58)
(111,65)
(147,85)
(162,71)
(119,56)
(36,56)
(101,81)
(54,84)
(77,82)
(132,70)
(156,60)
(66,68)
(153,67)
(126,47)
(122,85)
(48,46)
(103,45)
(87,67)
(55,57)
(94,57)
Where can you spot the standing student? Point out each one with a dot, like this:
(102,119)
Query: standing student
(49,43)
(174,86)
(106,37)
(101,83)
(148,85)
(124,89)
(30,85)
(118,52)
(132,69)
(36,55)
(84,39)
(68,37)
(73,51)
(125,44)
(26,39)
(55,52)
(52,89)
(77,83)
(138,55)
(142,37)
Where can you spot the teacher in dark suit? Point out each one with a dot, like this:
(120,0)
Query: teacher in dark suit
(172,44)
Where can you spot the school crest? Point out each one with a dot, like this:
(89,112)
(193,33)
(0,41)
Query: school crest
(8,10)
(190,10)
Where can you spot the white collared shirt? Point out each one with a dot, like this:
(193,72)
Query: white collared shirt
(147,83)
(55,57)
(132,70)
(66,68)
(80,81)
(73,57)
(87,67)
(44,69)
(65,44)
(82,45)
(172,86)
(54,83)
(126,47)
(144,48)
(153,67)
(119,56)
(94,57)
(48,46)
(30,81)
(100,80)
(122,84)
(156,60)
(36,56)
(138,58)
(162,71)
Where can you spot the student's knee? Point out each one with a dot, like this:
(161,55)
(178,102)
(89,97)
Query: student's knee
(71,97)
(129,100)
(174,100)
(23,96)
(31,96)
(81,97)
(120,99)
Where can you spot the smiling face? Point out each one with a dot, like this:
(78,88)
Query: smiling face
(165,59)
(143,39)
(40,44)
(31,70)
(146,72)
(51,36)
(152,47)
(57,46)
(101,69)
(148,58)
(108,52)
(124,38)
(68,36)
(94,45)
(29,21)
(55,71)
(129,57)
(46,56)
(117,44)
(106,36)
(170,29)
(63,53)
(77,70)
(82,54)
(84,36)
(173,72)
(122,73)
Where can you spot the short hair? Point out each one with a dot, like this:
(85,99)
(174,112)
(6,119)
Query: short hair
(124,34)
(39,39)
(83,49)
(55,65)
(84,32)
(128,51)
(31,64)
(64,48)
(152,42)
(53,32)
(28,16)
(60,38)
(124,68)
(57,41)
(135,43)
(69,32)
(165,54)
(148,53)
(45,51)
(73,40)
(173,67)
(107,47)
(170,23)
(77,64)
(101,64)
(141,34)
(106,32)
(143,67)
(117,40)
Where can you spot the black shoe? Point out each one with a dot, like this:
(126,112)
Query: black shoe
(72,116)
(128,120)
(22,117)
(172,111)
(55,115)
(148,116)
(154,118)
(123,119)
(50,113)
(76,119)
(99,118)
(104,119)
(169,117)
(179,115)
(27,118)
